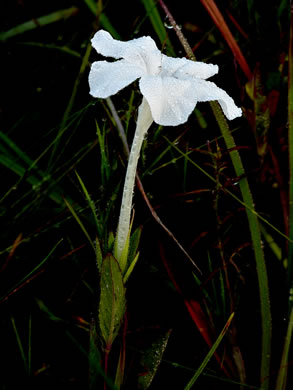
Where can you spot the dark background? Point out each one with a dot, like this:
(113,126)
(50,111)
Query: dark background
(51,308)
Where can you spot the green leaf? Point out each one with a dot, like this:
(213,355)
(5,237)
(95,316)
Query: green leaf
(44,308)
(133,244)
(130,268)
(124,255)
(112,300)
(111,241)
(151,360)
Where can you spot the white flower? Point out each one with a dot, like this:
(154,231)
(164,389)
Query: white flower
(171,86)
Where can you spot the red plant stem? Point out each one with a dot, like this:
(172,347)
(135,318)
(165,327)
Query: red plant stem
(178,31)
(106,366)
(219,21)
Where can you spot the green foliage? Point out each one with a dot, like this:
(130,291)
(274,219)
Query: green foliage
(210,354)
(41,21)
(112,300)
(151,360)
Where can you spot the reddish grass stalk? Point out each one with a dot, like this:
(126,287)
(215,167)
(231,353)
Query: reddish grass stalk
(219,21)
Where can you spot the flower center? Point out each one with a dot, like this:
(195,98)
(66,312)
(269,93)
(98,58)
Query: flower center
(150,62)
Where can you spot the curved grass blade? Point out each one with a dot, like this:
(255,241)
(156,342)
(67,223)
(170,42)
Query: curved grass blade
(209,355)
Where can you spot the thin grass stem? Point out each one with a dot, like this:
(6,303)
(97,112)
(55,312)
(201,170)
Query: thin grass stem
(253,225)
(257,245)
(290,148)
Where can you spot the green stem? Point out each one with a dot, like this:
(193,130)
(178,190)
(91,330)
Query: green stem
(283,371)
(266,318)
(290,146)
(256,242)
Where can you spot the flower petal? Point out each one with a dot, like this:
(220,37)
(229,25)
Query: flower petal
(107,78)
(182,68)
(204,91)
(171,100)
(142,52)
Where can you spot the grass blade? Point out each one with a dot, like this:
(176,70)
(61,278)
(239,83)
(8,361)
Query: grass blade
(290,148)
(80,224)
(255,236)
(68,109)
(31,274)
(158,24)
(257,245)
(210,354)
(39,22)
(282,376)
(90,202)
(225,31)
(19,343)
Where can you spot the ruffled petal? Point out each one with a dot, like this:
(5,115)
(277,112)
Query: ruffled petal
(107,78)
(141,52)
(170,99)
(182,68)
(204,91)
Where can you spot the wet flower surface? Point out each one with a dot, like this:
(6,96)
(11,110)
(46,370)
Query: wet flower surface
(171,86)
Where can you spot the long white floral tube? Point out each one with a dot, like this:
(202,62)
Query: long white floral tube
(144,121)
(171,88)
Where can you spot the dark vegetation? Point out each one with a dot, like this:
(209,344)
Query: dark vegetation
(49,280)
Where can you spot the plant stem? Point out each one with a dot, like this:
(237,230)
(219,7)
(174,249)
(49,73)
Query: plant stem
(283,371)
(290,145)
(257,246)
(252,221)
(144,121)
